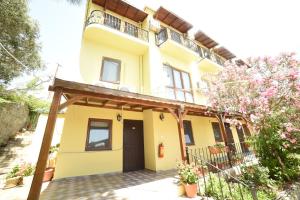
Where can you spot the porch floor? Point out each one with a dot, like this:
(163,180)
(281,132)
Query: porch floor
(135,185)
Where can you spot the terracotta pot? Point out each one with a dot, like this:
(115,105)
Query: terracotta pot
(214,150)
(190,190)
(13,182)
(48,174)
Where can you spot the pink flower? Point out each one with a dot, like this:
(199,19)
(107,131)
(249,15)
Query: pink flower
(283,136)
(270,92)
(293,141)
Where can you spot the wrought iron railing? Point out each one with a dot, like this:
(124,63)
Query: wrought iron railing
(166,33)
(103,18)
(220,184)
(224,157)
(214,165)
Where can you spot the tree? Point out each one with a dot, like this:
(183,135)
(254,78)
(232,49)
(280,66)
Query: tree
(19,49)
(266,93)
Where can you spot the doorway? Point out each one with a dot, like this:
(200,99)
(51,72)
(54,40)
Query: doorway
(133,145)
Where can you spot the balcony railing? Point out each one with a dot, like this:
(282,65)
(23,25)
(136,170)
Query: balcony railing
(100,17)
(165,34)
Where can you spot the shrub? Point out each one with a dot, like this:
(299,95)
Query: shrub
(256,175)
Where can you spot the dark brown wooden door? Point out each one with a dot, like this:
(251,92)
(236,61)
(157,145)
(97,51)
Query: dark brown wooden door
(133,145)
(240,133)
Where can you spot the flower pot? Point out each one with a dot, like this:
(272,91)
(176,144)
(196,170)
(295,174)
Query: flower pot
(190,190)
(48,174)
(13,182)
(214,150)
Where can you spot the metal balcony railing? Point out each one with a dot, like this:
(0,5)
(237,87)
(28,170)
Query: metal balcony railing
(165,34)
(100,17)
(214,165)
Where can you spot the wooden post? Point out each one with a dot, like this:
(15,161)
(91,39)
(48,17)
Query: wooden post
(181,134)
(223,130)
(178,115)
(36,184)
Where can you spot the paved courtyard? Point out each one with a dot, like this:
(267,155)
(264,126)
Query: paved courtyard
(136,185)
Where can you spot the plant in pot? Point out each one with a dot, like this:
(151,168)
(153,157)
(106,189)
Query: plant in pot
(189,177)
(15,176)
(49,171)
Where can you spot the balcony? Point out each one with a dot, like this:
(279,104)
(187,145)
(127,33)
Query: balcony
(180,45)
(106,28)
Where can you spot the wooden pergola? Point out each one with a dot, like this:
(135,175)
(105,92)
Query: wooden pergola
(95,96)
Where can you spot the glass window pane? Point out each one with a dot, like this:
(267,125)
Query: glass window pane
(188,133)
(180,95)
(110,71)
(217,132)
(186,81)
(178,83)
(168,75)
(189,97)
(175,36)
(170,93)
(99,135)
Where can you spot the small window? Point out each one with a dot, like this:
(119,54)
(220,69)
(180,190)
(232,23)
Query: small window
(217,132)
(246,130)
(188,133)
(99,135)
(110,71)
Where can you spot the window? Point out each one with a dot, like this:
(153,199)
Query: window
(178,84)
(99,135)
(188,132)
(217,132)
(246,130)
(110,71)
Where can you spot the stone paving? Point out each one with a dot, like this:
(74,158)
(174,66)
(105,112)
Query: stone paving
(136,185)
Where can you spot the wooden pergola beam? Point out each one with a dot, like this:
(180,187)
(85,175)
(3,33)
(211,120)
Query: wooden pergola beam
(70,101)
(36,184)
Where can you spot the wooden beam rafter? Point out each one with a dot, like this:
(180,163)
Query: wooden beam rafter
(70,102)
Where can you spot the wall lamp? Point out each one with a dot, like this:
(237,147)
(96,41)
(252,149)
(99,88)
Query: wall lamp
(119,117)
(161,116)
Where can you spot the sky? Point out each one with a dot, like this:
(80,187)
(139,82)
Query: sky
(246,27)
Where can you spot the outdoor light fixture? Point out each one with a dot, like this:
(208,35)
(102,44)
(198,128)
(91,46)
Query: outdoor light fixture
(119,117)
(161,116)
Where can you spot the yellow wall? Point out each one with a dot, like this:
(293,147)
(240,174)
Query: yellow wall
(73,160)
(91,62)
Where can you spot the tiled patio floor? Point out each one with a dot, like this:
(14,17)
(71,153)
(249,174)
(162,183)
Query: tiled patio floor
(132,185)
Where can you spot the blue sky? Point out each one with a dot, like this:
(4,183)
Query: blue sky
(246,27)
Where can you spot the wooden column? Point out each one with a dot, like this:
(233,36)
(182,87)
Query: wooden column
(222,126)
(179,115)
(36,184)
(181,135)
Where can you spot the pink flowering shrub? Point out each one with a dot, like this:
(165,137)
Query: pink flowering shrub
(265,92)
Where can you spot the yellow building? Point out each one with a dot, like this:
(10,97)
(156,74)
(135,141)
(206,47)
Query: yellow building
(142,101)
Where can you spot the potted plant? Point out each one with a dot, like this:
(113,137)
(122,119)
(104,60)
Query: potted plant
(49,171)
(14,178)
(189,177)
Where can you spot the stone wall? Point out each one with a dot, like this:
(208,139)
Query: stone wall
(13,117)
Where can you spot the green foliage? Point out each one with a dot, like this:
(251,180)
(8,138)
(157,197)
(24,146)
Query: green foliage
(14,172)
(188,173)
(19,35)
(256,175)
(54,148)
(25,169)
(218,188)
(276,153)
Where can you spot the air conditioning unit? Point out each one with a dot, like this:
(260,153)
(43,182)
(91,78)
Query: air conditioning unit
(154,25)
(202,86)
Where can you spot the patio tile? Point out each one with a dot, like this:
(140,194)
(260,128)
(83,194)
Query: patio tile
(136,185)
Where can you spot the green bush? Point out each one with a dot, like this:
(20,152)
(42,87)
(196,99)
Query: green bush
(256,175)
(218,188)
(276,153)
